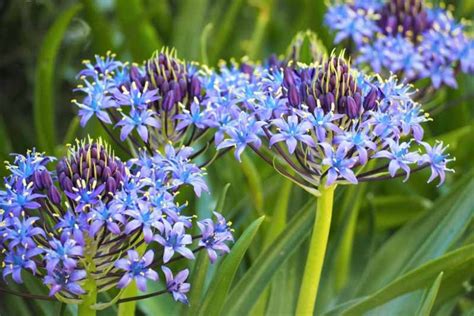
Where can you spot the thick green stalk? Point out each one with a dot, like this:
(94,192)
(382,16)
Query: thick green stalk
(90,285)
(90,299)
(316,254)
(128,308)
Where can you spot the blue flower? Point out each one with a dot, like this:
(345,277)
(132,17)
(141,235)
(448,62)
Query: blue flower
(246,132)
(137,120)
(291,131)
(63,279)
(95,105)
(137,269)
(104,215)
(73,225)
(65,252)
(437,160)
(400,157)
(197,117)
(22,232)
(322,122)
(214,236)
(135,97)
(19,259)
(144,217)
(360,140)
(177,285)
(20,196)
(85,196)
(103,65)
(174,239)
(338,164)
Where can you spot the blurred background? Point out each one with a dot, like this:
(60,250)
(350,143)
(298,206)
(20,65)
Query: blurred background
(42,44)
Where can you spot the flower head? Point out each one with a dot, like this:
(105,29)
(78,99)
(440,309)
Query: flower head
(407,37)
(97,217)
(332,118)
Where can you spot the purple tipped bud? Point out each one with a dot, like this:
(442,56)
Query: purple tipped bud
(46,179)
(293,96)
(370,100)
(54,195)
(288,77)
(195,87)
(169,101)
(38,181)
(110,185)
(353,109)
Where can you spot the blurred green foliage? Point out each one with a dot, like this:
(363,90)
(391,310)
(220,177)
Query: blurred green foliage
(395,248)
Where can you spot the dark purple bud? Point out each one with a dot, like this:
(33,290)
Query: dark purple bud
(111,185)
(288,77)
(329,100)
(46,179)
(353,109)
(293,96)
(168,101)
(246,68)
(195,87)
(136,77)
(67,185)
(54,195)
(370,100)
(106,173)
(38,181)
(311,103)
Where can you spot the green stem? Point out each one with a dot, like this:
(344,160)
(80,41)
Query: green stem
(90,285)
(89,299)
(316,254)
(128,308)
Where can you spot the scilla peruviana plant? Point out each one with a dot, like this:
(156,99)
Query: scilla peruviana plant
(162,101)
(408,37)
(320,125)
(96,223)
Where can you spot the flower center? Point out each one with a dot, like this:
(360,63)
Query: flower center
(406,17)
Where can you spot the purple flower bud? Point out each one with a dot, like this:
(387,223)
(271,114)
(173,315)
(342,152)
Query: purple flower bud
(169,101)
(54,195)
(293,96)
(46,179)
(353,109)
(111,185)
(370,100)
(195,87)
(38,181)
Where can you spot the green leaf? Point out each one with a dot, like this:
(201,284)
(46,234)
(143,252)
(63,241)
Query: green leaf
(43,106)
(277,225)
(225,28)
(190,23)
(247,291)
(204,38)
(429,299)
(198,277)
(422,239)
(141,36)
(460,259)
(254,182)
(101,35)
(221,283)
(221,201)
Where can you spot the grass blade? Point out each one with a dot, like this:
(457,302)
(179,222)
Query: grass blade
(247,291)
(222,281)
(44,80)
(429,299)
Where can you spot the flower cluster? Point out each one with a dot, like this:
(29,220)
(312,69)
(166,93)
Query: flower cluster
(405,37)
(325,121)
(159,102)
(99,220)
